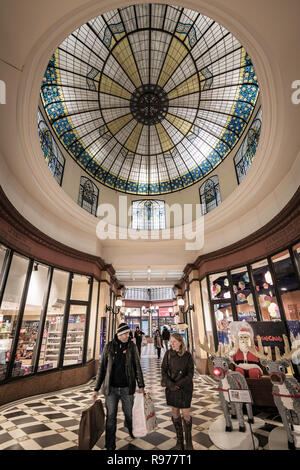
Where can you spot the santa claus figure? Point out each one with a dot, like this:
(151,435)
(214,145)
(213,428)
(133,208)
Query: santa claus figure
(245,360)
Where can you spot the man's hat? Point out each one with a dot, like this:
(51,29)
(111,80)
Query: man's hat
(123,328)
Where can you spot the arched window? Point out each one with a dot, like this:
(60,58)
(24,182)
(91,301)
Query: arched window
(88,195)
(148,215)
(245,154)
(210,194)
(53,156)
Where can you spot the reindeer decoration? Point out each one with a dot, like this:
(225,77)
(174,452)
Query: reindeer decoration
(228,380)
(286,389)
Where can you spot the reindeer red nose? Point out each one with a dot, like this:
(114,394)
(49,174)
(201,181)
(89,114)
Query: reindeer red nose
(217,372)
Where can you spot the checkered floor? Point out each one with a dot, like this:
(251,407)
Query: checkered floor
(51,421)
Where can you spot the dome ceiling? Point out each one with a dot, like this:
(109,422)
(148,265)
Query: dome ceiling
(149,99)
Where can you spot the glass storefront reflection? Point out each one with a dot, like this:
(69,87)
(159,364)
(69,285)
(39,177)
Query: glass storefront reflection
(26,349)
(264,285)
(219,286)
(9,312)
(288,286)
(223,317)
(243,295)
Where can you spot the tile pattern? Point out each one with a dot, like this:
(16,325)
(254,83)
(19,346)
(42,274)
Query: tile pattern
(51,421)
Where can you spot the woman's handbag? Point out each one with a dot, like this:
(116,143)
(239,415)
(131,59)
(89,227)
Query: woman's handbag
(92,425)
(143,415)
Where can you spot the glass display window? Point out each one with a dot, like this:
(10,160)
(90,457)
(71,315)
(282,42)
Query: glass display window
(9,311)
(26,348)
(206,310)
(223,317)
(75,335)
(296,251)
(80,287)
(93,321)
(289,288)
(219,286)
(50,348)
(243,295)
(264,285)
(3,252)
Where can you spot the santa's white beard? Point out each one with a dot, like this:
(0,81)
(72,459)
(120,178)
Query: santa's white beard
(244,347)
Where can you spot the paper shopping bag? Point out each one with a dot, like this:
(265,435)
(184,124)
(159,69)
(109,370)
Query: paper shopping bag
(91,426)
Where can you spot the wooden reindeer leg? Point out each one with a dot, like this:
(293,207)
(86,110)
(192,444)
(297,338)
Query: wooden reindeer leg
(224,405)
(250,413)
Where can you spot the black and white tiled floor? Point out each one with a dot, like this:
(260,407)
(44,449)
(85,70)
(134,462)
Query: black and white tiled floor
(51,421)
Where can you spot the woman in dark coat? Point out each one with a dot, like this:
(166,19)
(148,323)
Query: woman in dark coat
(177,376)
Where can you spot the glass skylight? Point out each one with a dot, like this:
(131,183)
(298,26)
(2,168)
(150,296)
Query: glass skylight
(149,99)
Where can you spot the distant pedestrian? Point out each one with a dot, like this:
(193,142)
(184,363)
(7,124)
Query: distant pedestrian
(138,335)
(165,337)
(158,343)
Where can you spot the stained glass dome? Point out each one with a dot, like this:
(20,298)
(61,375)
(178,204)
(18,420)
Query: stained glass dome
(149,99)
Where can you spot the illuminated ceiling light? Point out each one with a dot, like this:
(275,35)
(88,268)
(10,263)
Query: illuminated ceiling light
(268,278)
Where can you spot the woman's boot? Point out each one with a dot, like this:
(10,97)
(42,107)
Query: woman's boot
(179,433)
(188,434)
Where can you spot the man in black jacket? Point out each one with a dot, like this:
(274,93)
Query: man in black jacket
(118,373)
(165,337)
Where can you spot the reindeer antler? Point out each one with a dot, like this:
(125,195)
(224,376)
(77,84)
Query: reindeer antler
(209,349)
(288,352)
(260,352)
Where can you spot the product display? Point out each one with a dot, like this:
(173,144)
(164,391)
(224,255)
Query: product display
(286,389)
(228,380)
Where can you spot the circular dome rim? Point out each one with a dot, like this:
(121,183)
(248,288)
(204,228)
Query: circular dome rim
(192,180)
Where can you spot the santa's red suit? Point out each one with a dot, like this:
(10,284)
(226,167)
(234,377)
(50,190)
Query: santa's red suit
(247,364)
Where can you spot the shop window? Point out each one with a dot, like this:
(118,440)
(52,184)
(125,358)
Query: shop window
(264,286)
(53,156)
(296,250)
(148,215)
(26,348)
(288,285)
(206,310)
(88,195)
(223,317)
(243,295)
(219,286)
(50,348)
(93,321)
(9,312)
(210,194)
(245,155)
(3,252)
(75,335)
(80,287)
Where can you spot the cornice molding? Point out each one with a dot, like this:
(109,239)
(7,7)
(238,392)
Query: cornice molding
(19,234)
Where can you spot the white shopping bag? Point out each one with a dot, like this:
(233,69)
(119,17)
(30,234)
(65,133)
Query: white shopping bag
(144,341)
(143,415)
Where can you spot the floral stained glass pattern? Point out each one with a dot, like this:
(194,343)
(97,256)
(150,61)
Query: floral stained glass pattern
(53,156)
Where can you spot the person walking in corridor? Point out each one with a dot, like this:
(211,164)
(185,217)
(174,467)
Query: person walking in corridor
(158,344)
(138,335)
(118,372)
(177,376)
(165,337)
